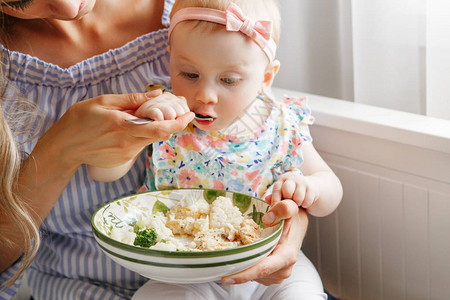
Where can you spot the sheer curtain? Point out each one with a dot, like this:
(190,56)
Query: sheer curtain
(393,54)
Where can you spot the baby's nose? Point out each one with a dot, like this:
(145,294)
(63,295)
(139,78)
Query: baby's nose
(207,95)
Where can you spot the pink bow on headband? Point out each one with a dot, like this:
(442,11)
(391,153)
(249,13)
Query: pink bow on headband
(234,20)
(259,31)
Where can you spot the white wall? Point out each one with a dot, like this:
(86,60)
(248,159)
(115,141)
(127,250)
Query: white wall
(389,238)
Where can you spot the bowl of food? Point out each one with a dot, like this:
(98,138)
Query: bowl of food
(185,235)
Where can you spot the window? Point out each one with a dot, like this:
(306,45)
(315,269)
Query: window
(392,54)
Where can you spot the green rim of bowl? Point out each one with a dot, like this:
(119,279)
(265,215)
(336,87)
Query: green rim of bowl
(195,266)
(178,254)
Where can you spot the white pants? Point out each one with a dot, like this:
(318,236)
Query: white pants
(304,284)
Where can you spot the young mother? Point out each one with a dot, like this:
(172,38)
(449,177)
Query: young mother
(81,62)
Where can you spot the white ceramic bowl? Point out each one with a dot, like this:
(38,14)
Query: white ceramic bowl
(180,266)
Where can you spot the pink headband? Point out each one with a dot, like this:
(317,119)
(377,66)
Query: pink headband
(234,20)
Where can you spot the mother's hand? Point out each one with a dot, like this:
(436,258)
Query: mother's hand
(94,131)
(278,265)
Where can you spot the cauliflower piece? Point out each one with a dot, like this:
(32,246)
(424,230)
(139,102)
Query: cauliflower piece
(158,222)
(188,220)
(214,239)
(223,214)
(249,231)
(123,235)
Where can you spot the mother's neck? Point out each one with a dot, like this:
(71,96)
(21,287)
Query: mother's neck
(111,24)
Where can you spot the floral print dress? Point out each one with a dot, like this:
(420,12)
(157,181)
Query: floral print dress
(244,163)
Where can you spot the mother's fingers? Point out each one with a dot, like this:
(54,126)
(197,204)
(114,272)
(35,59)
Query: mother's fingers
(271,270)
(126,101)
(278,265)
(281,210)
(159,130)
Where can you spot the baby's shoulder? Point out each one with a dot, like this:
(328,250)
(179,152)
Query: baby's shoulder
(296,109)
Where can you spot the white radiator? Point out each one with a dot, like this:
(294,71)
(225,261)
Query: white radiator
(390,237)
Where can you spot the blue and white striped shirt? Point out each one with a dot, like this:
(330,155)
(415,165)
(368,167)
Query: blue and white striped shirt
(69,264)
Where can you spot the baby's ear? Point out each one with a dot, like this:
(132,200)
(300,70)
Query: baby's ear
(270,73)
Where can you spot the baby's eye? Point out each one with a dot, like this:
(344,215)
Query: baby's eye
(229,81)
(189,75)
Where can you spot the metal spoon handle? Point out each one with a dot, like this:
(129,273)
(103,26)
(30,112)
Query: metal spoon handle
(139,121)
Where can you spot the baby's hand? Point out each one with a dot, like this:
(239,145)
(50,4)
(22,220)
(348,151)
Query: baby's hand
(301,189)
(163,107)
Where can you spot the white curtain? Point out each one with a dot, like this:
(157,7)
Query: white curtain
(438,58)
(393,54)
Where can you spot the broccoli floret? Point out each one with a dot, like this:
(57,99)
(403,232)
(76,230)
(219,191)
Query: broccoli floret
(145,238)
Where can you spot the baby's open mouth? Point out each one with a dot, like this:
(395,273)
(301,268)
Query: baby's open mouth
(203,118)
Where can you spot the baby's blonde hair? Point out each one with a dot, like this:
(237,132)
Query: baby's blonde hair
(255,9)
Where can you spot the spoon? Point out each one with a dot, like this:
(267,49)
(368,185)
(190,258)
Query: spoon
(202,118)
(140,121)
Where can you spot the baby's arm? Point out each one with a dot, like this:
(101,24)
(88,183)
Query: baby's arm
(319,190)
(161,108)
(110,174)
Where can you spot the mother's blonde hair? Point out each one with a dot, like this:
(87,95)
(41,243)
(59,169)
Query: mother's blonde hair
(14,213)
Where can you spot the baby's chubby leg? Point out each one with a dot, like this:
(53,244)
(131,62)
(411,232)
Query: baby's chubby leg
(303,284)
(200,291)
